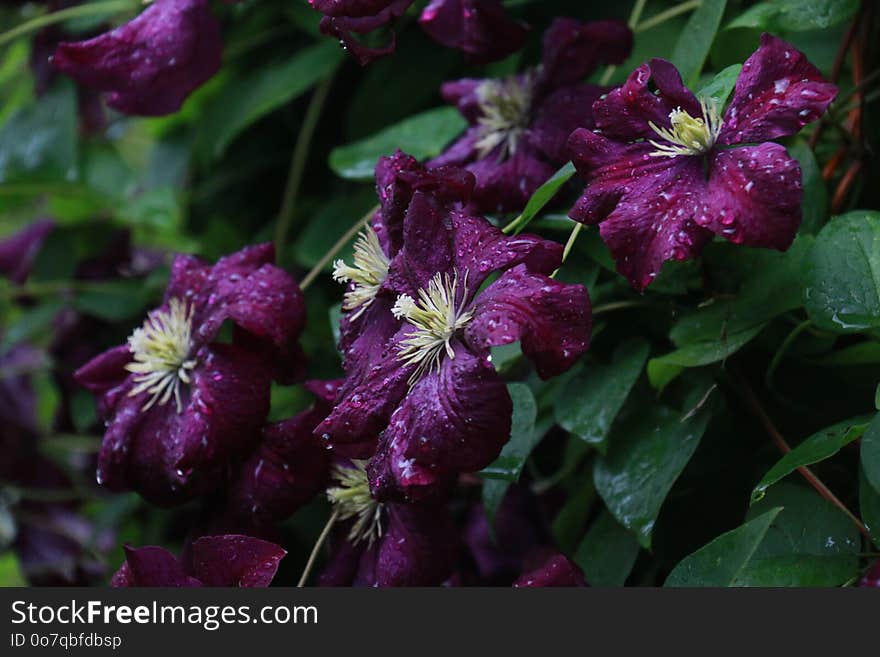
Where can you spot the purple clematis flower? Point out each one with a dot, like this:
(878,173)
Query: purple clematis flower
(386,544)
(286,470)
(152,63)
(482,29)
(423,383)
(19,251)
(553,570)
(665,172)
(342,17)
(230,560)
(519,125)
(179,405)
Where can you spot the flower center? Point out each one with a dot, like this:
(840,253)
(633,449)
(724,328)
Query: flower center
(505,106)
(369,270)
(688,135)
(160,349)
(352,499)
(437,315)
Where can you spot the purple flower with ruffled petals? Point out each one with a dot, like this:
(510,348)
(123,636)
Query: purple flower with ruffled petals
(482,29)
(19,251)
(385,543)
(179,405)
(149,65)
(230,560)
(342,17)
(665,172)
(552,570)
(519,125)
(430,389)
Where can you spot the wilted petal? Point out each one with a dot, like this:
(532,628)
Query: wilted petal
(574,50)
(235,560)
(152,63)
(360,16)
(18,251)
(151,566)
(777,93)
(556,570)
(651,209)
(551,319)
(482,29)
(754,195)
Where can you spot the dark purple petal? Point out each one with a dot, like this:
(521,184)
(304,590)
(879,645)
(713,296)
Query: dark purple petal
(351,8)
(558,115)
(651,209)
(777,93)
(188,276)
(342,565)
(551,319)
(754,195)
(359,16)
(463,94)
(151,566)
(506,184)
(625,112)
(482,29)
(556,571)
(871,579)
(235,560)
(452,420)
(363,338)
(152,63)
(18,251)
(573,50)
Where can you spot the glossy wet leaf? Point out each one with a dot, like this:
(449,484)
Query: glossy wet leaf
(543,195)
(796,15)
(523,436)
(870,453)
(814,208)
(819,446)
(720,86)
(647,454)
(607,553)
(842,286)
(721,561)
(696,39)
(422,136)
(592,399)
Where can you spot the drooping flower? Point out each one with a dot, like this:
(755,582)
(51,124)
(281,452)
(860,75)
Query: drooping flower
(482,29)
(342,17)
(18,251)
(429,389)
(385,543)
(665,172)
(180,405)
(149,65)
(230,560)
(554,570)
(519,125)
(287,469)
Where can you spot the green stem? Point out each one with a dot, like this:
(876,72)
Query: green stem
(783,348)
(336,248)
(314,555)
(298,162)
(625,305)
(92,9)
(664,16)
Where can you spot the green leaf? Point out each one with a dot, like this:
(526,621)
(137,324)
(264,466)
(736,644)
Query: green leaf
(493,494)
(842,289)
(607,553)
(810,543)
(696,39)
(721,561)
(870,453)
(647,454)
(332,219)
(10,571)
(817,447)
(38,143)
(114,300)
(796,15)
(523,436)
(248,97)
(543,195)
(869,505)
(594,397)
(814,205)
(719,87)
(422,136)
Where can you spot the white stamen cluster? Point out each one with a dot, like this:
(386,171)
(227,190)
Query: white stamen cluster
(688,135)
(160,349)
(369,270)
(352,499)
(505,106)
(437,315)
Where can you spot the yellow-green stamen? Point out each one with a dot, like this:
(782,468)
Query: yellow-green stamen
(368,272)
(688,135)
(352,499)
(505,106)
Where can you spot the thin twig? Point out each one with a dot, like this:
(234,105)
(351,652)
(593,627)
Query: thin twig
(336,248)
(314,555)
